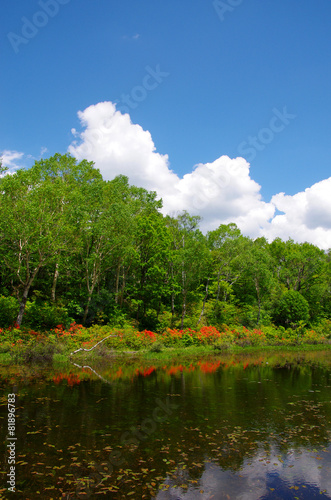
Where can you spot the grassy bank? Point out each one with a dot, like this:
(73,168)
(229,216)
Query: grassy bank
(190,352)
(41,354)
(24,346)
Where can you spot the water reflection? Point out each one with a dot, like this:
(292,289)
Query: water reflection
(298,474)
(233,427)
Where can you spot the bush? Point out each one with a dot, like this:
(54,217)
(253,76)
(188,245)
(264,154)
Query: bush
(74,309)
(165,321)
(45,316)
(292,309)
(248,315)
(5,347)
(324,328)
(222,344)
(188,339)
(34,352)
(220,312)
(118,319)
(313,337)
(9,307)
(157,347)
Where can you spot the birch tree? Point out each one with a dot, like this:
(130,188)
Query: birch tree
(36,223)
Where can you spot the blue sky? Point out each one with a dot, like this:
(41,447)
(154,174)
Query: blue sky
(228,69)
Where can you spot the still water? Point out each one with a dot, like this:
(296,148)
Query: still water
(226,427)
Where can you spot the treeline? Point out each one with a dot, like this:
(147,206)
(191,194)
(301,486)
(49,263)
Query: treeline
(76,247)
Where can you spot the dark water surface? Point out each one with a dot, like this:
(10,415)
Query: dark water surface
(230,427)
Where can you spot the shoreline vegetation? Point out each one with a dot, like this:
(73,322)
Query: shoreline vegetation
(101,344)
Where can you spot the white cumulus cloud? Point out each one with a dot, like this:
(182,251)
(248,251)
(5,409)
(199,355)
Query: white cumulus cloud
(11,159)
(221,192)
(119,147)
(306,215)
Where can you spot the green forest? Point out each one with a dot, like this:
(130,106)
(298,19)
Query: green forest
(77,248)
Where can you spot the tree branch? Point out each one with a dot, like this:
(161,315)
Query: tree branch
(87,350)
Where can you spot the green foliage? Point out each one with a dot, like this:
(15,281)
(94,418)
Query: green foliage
(45,316)
(8,310)
(27,346)
(119,319)
(5,346)
(157,347)
(35,352)
(38,216)
(165,321)
(292,309)
(220,312)
(74,247)
(324,328)
(74,310)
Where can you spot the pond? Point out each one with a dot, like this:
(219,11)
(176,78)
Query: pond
(228,427)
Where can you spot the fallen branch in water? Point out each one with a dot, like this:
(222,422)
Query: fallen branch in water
(97,374)
(87,350)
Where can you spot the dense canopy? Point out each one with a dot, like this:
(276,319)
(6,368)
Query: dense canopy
(76,247)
